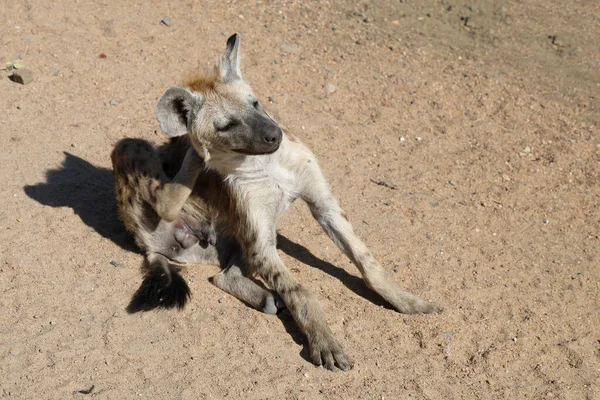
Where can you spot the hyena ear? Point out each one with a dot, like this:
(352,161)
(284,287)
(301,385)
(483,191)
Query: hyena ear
(229,65)
(175,110)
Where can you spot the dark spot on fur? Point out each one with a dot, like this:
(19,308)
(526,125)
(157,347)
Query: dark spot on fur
(150,218)
(304,312)
(275,277)
(294,288)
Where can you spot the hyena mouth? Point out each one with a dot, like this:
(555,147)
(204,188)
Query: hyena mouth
(255,153)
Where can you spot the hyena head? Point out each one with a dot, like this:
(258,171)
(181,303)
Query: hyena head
(219,111)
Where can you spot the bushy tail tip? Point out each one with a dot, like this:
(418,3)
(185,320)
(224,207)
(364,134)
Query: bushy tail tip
(162,287)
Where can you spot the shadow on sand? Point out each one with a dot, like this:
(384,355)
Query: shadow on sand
(90,192)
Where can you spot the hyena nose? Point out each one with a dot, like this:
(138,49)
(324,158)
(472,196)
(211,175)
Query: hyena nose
(272,136)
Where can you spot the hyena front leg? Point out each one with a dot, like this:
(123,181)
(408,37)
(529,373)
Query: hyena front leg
(332,219)
(137,166)
(259,243)
(171,196)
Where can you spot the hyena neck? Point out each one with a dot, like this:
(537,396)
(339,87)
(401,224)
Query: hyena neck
(225,163)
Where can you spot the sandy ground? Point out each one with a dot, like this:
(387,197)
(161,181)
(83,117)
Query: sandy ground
(483,117)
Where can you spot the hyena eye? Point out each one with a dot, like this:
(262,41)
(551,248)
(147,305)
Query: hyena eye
(227,127)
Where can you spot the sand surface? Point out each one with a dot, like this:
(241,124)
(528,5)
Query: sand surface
(482,118)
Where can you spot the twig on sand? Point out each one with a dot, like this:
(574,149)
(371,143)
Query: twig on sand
(86,391)
(384,183)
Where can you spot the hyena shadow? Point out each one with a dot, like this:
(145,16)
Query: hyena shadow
(352,282)
(89,191)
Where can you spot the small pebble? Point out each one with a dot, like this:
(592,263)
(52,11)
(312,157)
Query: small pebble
(330,88)
(402,138)
(290,48)
(166,21)
(418,138)
(452,183)
(18,106)
(116,264)
(54,72)
(271,100)
(113,102)
(366,20)
(22,76)
(221,300)
(546,222)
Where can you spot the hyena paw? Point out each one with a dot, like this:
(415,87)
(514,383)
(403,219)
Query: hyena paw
(273,304)
(415,305)
(426,307)
(325,350)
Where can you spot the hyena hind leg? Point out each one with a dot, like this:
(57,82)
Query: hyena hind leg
(233,281)
(162,287)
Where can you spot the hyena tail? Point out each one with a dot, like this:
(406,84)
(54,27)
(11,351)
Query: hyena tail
(162,287)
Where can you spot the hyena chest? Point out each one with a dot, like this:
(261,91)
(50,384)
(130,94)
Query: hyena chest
(270,190)
(285,183)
